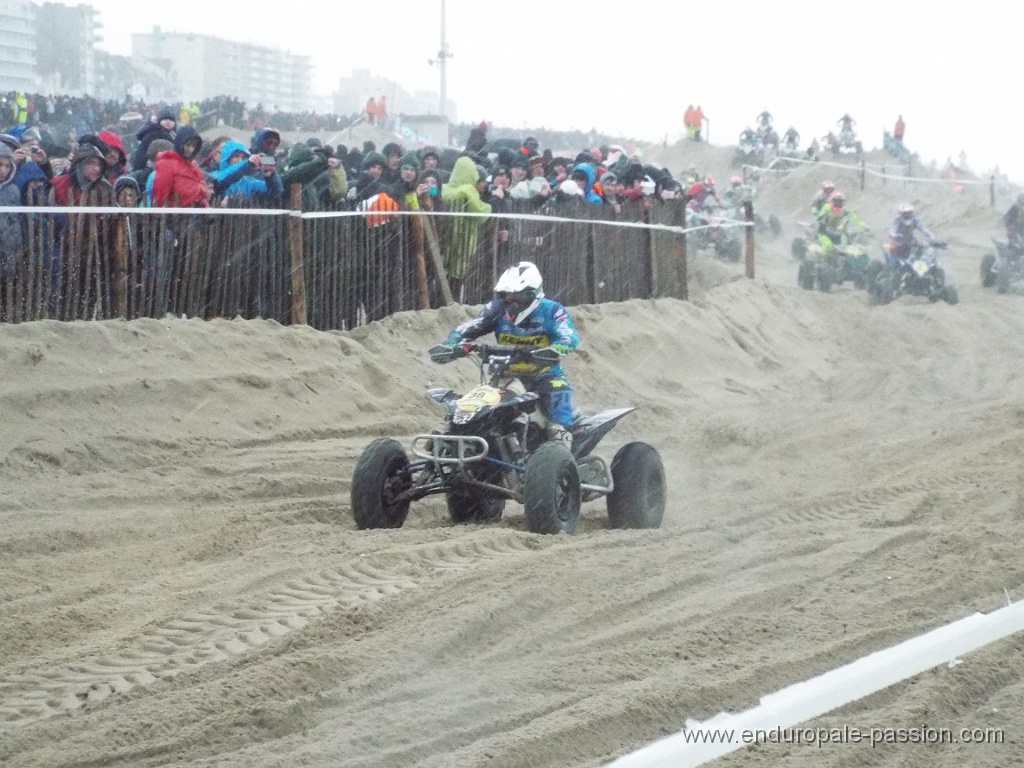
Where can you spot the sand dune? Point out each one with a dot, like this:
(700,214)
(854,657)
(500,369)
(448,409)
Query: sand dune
(181,581)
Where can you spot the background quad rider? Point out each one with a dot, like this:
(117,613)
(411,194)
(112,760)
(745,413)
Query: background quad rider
(821,196)
(520,315)
(699,195)
(901,235)
(791,140)
(1013,220)
(738,193)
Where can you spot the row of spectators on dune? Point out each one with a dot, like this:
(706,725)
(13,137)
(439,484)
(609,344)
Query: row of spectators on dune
(78,115)
(171,165)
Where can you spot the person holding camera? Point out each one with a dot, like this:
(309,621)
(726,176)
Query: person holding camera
(315,168)
(247,177)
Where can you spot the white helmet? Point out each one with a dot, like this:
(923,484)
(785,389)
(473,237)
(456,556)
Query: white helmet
(906,211)
(519,289)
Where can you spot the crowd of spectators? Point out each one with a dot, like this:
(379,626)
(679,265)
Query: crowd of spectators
(165,162)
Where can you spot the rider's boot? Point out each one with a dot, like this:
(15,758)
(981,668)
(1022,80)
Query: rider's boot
(559,434)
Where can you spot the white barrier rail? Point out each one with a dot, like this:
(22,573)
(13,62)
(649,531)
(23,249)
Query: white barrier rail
(870,170)
(84,209)
(804,701)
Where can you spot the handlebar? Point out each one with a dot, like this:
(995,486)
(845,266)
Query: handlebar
(442,353)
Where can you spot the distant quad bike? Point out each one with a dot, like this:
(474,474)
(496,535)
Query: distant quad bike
(770,227)
(749,152)
(846,143)
(1004,268)
(712,232)
(492,449)
(920,275)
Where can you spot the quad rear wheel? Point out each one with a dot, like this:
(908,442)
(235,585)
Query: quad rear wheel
(988,274)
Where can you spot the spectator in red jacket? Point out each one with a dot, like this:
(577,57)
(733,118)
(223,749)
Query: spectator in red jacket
(178,180)
(83,184)
(116,157)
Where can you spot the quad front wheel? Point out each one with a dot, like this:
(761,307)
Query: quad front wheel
(551,490)
(638,500)
(380,476)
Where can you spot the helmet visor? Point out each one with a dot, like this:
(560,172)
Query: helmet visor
(516,302)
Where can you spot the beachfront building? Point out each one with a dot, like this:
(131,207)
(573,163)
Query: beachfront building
(206,67)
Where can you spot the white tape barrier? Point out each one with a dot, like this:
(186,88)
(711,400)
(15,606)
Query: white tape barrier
(804,701)
(28,210)
(868,170)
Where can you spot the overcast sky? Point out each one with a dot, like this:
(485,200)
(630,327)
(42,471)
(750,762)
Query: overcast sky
(954,71)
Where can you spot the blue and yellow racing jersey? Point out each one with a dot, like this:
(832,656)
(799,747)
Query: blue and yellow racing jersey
(549,325)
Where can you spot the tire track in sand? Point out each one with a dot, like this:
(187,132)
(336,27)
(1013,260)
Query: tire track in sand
(226,632)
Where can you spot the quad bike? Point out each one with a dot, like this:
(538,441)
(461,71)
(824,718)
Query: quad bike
(711,232)
(770,226)
(1003,268)
(769,137)
(844,144)
(918,275)
(492,448)
(835,262)
(749,152)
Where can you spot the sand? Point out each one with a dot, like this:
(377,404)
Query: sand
(181,581)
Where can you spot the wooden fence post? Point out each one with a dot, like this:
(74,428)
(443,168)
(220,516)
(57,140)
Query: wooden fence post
(121,262)
(679,252)
(862,174)
(298,263)
(652,260)
(748,216)
(419,263)
(992,191)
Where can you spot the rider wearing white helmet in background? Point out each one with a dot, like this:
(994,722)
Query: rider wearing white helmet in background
(901,233)
(520,315)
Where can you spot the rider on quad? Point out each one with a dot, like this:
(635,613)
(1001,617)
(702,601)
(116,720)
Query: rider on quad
(821,196)
(520,315)
(833,220)
(791,139)
(846,123)
(901,235)
(738,192)
(1013,219)
(698,194)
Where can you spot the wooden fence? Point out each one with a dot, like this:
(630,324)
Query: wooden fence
(330,270)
